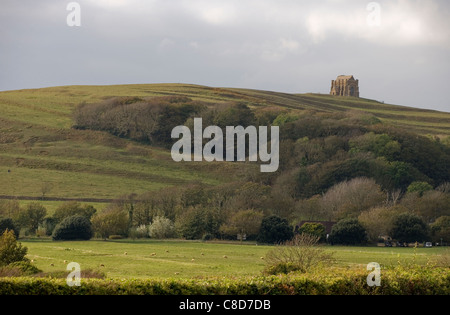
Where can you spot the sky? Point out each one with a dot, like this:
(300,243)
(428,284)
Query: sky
(398,49)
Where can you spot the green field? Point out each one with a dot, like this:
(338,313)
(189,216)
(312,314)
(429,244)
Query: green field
(192,259)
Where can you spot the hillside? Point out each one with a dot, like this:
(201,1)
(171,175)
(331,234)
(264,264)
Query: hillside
(42,155)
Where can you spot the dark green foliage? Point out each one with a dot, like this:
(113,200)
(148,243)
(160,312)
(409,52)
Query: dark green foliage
(8,224)
(409,228)
(419,187)
(440,230)
(274,230)
(148,120)
(32,216)
(348,232)
(69,209)
(49,224)
(195,223)
(76,227)
(235,115)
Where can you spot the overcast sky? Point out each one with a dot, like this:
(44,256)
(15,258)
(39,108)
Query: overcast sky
(401,56)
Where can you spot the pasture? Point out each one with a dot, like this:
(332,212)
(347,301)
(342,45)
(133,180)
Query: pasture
(141,259)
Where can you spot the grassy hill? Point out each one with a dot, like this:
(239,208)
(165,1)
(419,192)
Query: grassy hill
(40,154)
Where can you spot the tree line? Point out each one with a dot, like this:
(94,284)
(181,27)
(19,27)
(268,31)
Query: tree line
(333,167)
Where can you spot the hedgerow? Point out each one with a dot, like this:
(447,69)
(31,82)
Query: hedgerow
(398,281)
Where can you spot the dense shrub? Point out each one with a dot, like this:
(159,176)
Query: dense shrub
(76,227)
(408,227)
(314,229)
(161,228)
(274,230)
(419,187)
(149,120)
(72,208)
(8,224)
(333,281)
(348,232)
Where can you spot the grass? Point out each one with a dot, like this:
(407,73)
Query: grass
(38,145)
(192,259)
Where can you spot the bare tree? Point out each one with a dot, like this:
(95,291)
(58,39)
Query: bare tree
(352,197)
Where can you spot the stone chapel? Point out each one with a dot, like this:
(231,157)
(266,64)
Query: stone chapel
(345,85)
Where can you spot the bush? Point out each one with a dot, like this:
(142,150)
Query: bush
(76,227)
(300,254)
(408,228)
(162,227)
(331,281)
(10,250)
(140,231)
(8,224)
(314,229)
(348,232)
(274,230)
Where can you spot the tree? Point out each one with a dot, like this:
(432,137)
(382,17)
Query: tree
(10,250)
(8,224)
(378,221)
(197,222)
(32,216)
(408,227)
(348,232)
(161,228)
(350,198)
(419,187)
(72,208)
(76,227)
(112,221)
(274,230)
(244,222)
(440,229)
(46,187)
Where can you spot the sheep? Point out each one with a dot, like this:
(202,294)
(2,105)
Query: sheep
(52,265)
(225,256)
(192,259)
(102,265)
(153,254)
